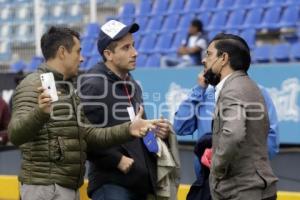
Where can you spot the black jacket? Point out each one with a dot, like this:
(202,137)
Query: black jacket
(112,110)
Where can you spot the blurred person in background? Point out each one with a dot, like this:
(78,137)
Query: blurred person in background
(191,49)
(4,120)
(128,171)
(54,136)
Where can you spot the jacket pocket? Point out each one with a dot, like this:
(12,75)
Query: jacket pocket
(265,173)
(225,188)
(57,150)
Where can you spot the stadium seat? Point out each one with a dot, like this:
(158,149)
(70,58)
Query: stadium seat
(55,14)
(295,52)
(241,4)
(160,7)
(141,60)
(258,3)
(153,60)
(143,22)
(177,41)
(144,9)
(175,6)
(253,18)
(154,25)
(6,14)
(292,2)
(91,31)
(205,18)
(34,63)
(170,24)
(87,47)
(20,65)
(281,52)
(208,5)
(250,36)
(147,44)
(262,54)
(127,10)
(271,18)
(224,5)
(212,34)
(185,22)
(290,17)
(164,43)
(236,18)
(217,22)
(191,6)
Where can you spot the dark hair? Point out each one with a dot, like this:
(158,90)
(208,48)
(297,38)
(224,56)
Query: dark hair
(56,37)
(237,49)
(198,24)
(112,46)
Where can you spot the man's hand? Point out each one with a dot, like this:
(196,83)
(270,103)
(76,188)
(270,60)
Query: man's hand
(201,80)
(44,100)
(183,50)
(163,128)
(139,127)
(125,164)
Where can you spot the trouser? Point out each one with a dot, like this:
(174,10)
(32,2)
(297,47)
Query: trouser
(116,192)
(48,192)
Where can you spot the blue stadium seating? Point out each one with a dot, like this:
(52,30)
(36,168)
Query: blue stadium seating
(250,36)
(225,5)
(217,22)
(164,43)
(253,18)
(175,6)
(235,19)
(205,18)
(144,9)
(160,7)
(208,5)
(177,41)
(191,6)
(262,54)
(153,60)
(295,52)
(34,63)
(154,25)
(91,31)
(20,65)
(241,4)
(281,52)
(290,17)
(5,51)
(271,18)
(147,44)
(185,22)
(141,60)
(170,24)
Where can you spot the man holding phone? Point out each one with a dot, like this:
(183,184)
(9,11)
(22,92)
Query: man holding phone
(54,136)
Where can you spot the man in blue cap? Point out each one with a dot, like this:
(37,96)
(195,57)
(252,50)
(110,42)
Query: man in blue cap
(127,171)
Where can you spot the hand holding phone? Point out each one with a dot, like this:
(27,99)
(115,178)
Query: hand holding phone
(48,83)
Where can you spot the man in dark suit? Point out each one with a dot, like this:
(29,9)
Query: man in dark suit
(240,167)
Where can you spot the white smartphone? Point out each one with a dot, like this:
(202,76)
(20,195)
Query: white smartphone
(48,83)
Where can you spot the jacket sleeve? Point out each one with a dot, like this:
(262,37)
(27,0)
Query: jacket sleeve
(273,135)
(109,157)
(185,120)
(27,119)
(106,137)
(232,133)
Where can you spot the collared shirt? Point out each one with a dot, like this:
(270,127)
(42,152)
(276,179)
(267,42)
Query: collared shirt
(220,86)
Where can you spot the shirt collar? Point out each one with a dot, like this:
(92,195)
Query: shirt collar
(220,86)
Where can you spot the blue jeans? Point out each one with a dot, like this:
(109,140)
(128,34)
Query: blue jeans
(115,192)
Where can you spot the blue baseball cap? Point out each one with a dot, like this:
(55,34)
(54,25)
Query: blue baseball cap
(113,30)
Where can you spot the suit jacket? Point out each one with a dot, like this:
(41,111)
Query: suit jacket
(240,165)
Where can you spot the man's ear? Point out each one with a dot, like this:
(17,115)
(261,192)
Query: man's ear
(61,52)
(108,54)
(225,58)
